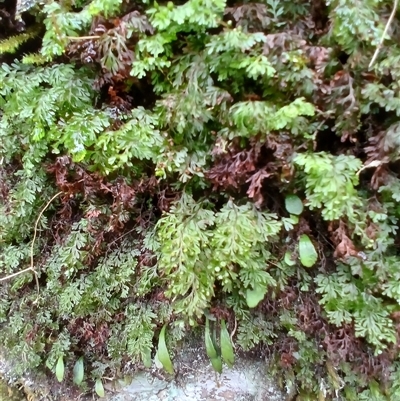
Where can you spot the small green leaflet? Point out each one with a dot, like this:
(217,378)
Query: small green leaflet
(307,253)
(98,387)
(210,349)
(146,358)
(226,346)
(60,369)
(217,364)
(157,362)
(288,259)
(78,371)
(255,296)
(162,352)
(293,204)
(49,364)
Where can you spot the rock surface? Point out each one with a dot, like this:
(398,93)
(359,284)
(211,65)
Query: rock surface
(246,382)
(194,380)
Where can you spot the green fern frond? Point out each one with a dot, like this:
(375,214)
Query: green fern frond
(10,45)
(34,58)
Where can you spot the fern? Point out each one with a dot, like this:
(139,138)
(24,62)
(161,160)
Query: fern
(330,184)
(11,44)
(174,134)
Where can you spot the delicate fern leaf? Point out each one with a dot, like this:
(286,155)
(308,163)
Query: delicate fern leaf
(146,358)
(288,259)
(11,45)
(78,372)
(293,204)
(255,296)
(34,58)
(60,370)
(226,346)
(307,253)
(210,348)
(162,352)
(98,388)
(217,364)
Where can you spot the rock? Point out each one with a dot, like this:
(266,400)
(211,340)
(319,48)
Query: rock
(247,381)
(194,380)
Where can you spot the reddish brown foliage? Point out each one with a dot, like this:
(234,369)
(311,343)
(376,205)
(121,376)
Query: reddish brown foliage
(89,334)
(109,225)
(237,168)
(344,245)
(340,343)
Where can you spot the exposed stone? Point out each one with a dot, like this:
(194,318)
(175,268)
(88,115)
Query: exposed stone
(247,381)
(194,380)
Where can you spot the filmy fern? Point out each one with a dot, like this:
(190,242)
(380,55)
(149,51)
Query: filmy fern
(176,135)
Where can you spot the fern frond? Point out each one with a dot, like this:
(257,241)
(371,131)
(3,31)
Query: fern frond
(34,58)
(11,45)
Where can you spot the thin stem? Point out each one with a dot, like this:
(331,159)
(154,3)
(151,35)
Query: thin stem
(375,56)
(77,38)
(31,267)
(15,274)
(36,225)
